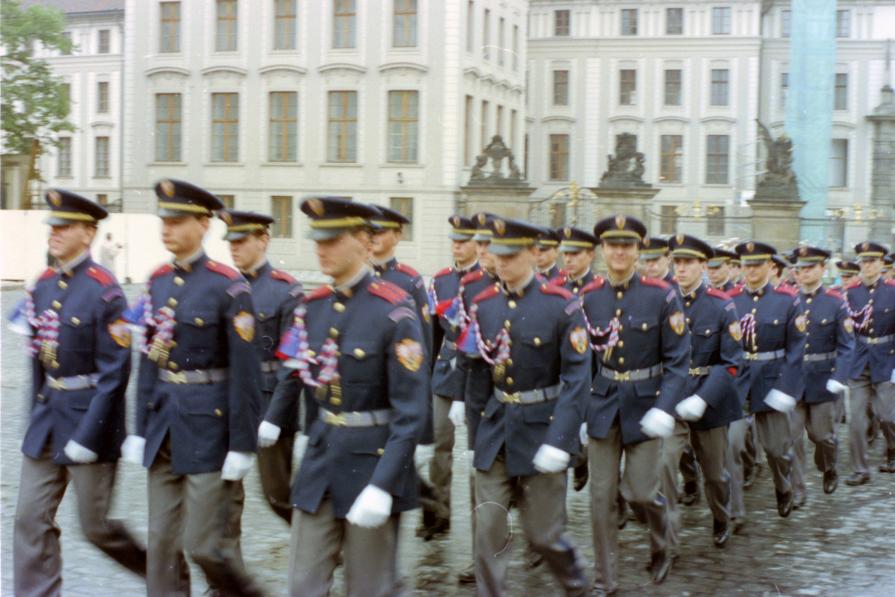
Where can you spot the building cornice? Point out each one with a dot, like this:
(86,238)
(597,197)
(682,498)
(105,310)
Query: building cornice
(288,68)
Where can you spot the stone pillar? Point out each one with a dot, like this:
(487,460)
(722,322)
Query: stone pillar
(632,201)
(509,201)
(776,222)
(882,178)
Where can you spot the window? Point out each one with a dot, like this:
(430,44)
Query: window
(344,15)
(484,121)
(668,219)
(102,97)
(486,35)
(717,159)
(404,206)
(715,221)
(284,25)
(101,157)
(467,131)
(674,21)
(281,210)
(561,20)
(229,201)
(404,33)
(784,89)
(673,87)
(840,96)
(225,35)
(63,158)
(839,164)
(103,46)
(169,32)
(470,25)
(516,47)
(283,128)
(403,126)
(786,23)
(501,40)
(167,127)
(68,49)
(720,86)
(102,198)
(560,88)
(627,92)
(559,157)
(629,21)
(721,20)
(342,142)
(224,127)
(671,164)
(843,23)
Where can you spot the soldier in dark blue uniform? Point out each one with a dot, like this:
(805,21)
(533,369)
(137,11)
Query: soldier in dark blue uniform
(711,402)
(577,248)
(275,294)
(871,301)
(80,365)
(718,269)
(655,260)
(548,251)
(847,272)
(774,342)
(358,348)
(829,348)
(198,402)
(532,335)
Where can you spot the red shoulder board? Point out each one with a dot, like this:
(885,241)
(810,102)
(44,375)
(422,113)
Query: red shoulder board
(657,282)
(556,290)
(595,284)
(735,291)
(890,282)
(220,268)
(406,269)
(278,274)
(487,293)
(788,290)
(320,292)
(443,272)
(717,293)
(48,273)
(853,284)
(835,294)
(472,277)
(161,271)
(100,275)
(388,291)
(559,280)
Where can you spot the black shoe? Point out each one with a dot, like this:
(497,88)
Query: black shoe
(798,501)
(720,532)
(784,503)
(750,475)
(691,493)
(739,526)
(660,564)
(441,526)
(533,559)
(467,577)
(831,481)
(580,477)
(858,479)
(889,466)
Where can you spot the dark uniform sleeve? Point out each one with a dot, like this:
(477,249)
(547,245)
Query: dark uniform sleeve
(289,385)
(575,376)
(408,397)
(113,364)
(719,383)
(790,381)
(147,377)
(421,298)
(845,344)
(244,376)
(675,353)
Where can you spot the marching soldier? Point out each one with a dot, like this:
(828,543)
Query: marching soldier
(548,251)
(577,248)
(872,380)
(198,402)
(774,342)
(711,402)
(275,294)
(638,329)
(718,269)
(736,271)
(357,346)
(80,363)
(655,260)
(829,347)
(847,272)
(532,335)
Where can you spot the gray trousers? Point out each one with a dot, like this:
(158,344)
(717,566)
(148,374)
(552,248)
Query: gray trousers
(737,432)
(881,397)
(710,448)
(201,516)
(773,430)
(275,470)
(440,469)
(642,464)
(370,556)
(37,557)
(673,447)
(541,499)
(818,419)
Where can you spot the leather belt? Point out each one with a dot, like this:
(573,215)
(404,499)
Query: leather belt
(820,356)
(365,418)
(75,382)
(269,366)
(528,396)
(633,374)
(764,356)
(699,371)
(196,376)
(877,340)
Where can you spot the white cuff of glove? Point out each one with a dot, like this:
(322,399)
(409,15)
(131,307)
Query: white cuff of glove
(657,423)
(78,453)
(779,401)
(268,434)
(132,449)
(236,465)
(691,408)
(582,434)
(423,454)
(834,387)
(892,377)
(371,508)
(551,460)
(457,414)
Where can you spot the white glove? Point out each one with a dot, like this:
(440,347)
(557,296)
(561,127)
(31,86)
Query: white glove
(582,434)
(292,364)
(132,449)
(371,508)
(457,414)
(779,401)
(892,377)
(423,455)
(551,460)
(268,434)
(236,465)
(691,408)
(657,423)
(834,387)
(78,453)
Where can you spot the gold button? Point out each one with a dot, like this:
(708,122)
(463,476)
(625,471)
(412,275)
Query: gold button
(178,280)
(63,284)
(172,365)
(482,414)
(506,324)
(537,341)
(511,304)
(823,321)
(339,307)
(619,294)
(621,344)
(333,333)
(359,353)
(870,302)
(707,332)
(56,305)
(688,321)
(199,321)
(261,314)
(218,413)
(776,321)
(618,312)
(687,304)
(172,302)
(643,327)
(509,381)
(509,363)
(754,299)
(621,360)
(808,301)
(76,321)
(335,401)
(575,290)
(311,353)
(807,345)
(754,311)
(380,451)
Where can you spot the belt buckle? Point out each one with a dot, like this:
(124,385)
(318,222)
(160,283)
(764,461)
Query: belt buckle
(56,384)
(871,340)
(751,356)
(177,377)
(512,398)
(621,375)
(695,371)
(336,420)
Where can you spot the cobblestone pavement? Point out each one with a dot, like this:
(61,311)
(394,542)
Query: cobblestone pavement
(836,545)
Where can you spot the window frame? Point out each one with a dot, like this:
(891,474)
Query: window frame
(409,20)
(671,158)
(173,134)
(169,27)
(347,127)
(407,122)
(278,144)
(285,25)
(559,159)
(229,123)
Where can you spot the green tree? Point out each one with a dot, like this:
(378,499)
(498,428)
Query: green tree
(35,104)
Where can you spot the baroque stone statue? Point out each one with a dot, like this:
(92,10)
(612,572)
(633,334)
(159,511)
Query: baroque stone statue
(496,152)
(778,181)
(626,165)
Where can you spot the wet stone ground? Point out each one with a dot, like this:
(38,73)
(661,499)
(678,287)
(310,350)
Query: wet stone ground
(843,544)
